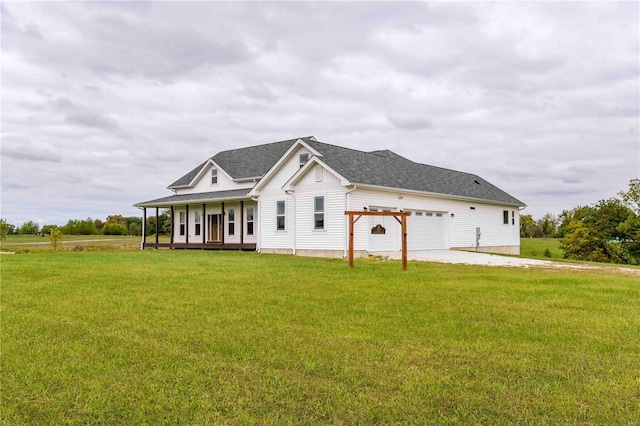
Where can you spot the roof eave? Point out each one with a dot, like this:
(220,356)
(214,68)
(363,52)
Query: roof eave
(438,195)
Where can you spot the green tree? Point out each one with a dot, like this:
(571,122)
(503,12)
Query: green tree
(548,225)
(6,229)
(527,226)
(135,229)
(631,197)
(114,228)
(29,228)
(86,227)
(608,231)
(55,236)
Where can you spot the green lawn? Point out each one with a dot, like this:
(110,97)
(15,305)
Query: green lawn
(198,337)
(534,248)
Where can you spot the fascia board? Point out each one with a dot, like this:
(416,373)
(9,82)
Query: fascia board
(285,157)
(436,195)
(191,202)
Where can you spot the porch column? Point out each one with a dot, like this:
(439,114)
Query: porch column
(241,221)
(222,222)
(186,231)
(157,209)
(172,226)
(144,227)
(203,221)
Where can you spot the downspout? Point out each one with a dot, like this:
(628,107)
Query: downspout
(144,226)
(293,216)
(346,220)
(258,204)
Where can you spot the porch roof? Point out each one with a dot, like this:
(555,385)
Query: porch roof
(233,194)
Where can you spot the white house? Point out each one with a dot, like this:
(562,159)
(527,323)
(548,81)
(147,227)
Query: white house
(291,197)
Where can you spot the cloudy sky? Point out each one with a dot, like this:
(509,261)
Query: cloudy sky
(105,104)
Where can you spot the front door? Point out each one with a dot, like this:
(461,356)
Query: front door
(214,228)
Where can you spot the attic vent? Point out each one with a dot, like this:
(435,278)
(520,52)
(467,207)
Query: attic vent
(476,182)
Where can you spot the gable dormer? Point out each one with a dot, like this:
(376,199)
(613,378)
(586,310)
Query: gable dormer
(293,160)
(210,177)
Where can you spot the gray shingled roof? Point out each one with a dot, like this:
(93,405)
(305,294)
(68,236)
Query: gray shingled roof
(200,196)
(380,168)
(388,169)
(242,163)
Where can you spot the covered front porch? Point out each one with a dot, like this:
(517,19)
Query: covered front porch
(223,220)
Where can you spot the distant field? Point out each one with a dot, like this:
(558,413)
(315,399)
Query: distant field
(534,248)
(30,243)
(199,337)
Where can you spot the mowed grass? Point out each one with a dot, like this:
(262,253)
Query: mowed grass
(196,337)
(534,248)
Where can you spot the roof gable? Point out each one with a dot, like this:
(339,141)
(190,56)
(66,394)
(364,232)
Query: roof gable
(251,162)
(300,142)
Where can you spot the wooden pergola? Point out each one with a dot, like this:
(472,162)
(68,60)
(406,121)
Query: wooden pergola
(354,216)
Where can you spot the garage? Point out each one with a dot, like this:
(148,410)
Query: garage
(426,230)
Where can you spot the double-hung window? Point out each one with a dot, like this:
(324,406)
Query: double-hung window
(197,221)
(505,217)
(513,217)
(318,212)
(231,220)
(280,211)
(249,220)
(214,176)
(182,223)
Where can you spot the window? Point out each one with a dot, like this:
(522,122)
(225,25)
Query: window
(197,221)
(318,212)
(182,226)
(231,221)
(249,220)
(214,176)
(438,214)
(303,159)
(513,217)
(280,215)
(505,217)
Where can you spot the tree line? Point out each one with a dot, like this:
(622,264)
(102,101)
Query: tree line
(607,231)
(113,225)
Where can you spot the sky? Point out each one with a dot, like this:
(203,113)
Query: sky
(104,104)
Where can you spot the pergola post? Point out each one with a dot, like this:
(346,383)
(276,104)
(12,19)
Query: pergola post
(144,227)
(157,211)
(402,221)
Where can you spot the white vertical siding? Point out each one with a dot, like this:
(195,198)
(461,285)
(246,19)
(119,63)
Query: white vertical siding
(270,237)
(332,237)
(461,227)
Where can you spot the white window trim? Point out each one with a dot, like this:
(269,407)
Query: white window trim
(231,221)
(216,176)
(197,220)
(252,221)
(284,216)
(323,212)
(302,163)
(182,223)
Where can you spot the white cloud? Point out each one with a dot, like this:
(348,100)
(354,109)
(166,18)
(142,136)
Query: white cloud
(113,101)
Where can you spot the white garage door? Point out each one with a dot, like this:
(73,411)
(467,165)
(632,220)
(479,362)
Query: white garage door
(426,231)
